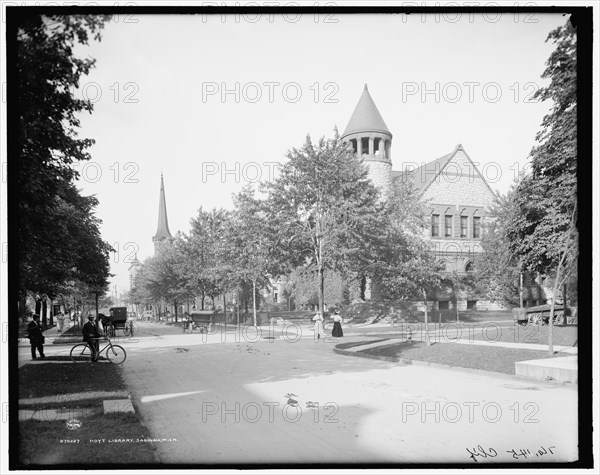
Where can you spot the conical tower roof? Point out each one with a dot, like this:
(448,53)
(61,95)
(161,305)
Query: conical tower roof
(162,231)
(366,117)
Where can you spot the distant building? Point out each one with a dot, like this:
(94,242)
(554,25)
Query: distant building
(163,235)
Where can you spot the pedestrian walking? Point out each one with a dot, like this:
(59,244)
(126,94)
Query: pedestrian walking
(91,335)
(36,337)
(61,321)
(318,319)
(337,325)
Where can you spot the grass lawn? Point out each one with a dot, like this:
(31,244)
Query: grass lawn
(497,359)
(41,384)
(68,385)
(51,442)
(563,336)
(494,332)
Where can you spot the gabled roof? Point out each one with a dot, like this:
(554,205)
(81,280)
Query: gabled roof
(366,117)
(423,176)
(162,231)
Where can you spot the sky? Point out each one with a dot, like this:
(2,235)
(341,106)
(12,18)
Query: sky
(215,102)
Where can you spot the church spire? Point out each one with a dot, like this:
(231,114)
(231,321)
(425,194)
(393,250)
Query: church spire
(162,231)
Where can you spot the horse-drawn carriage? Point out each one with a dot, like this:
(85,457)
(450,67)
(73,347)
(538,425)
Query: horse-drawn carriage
(117,320)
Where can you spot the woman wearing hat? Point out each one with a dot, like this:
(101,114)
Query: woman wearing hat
(337,325)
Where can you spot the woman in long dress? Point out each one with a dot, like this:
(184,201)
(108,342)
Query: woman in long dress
(318,319)
(337,325)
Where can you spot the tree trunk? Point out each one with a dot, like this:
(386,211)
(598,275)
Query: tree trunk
(321,294)
(564,322)
(225,310)
(22,305)
(456,291)
(175,305)
(254,300)
(426,319)
(552,304)
(457,314)
(521,289)
(44,313)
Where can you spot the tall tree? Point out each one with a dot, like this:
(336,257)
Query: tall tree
(250,244)
(46,147)
(165,278)
(324,210)
(497,269)
(544,234)
(205,266)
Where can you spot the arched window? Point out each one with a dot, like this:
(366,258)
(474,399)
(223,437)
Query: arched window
(469,267)
(445,266)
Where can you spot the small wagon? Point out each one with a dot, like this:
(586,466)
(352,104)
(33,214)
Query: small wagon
(118,321)
(540,315)
(201,321)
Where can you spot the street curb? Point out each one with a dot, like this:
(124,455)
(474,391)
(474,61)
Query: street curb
(389,359)
(407,362)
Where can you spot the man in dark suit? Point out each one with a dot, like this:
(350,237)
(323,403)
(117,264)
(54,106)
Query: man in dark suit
(91,335)
(36,338)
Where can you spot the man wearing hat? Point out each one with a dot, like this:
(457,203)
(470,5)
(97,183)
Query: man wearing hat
(36,337)
(91,335)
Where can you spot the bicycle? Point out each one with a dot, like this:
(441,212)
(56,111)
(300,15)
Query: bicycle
(82,353)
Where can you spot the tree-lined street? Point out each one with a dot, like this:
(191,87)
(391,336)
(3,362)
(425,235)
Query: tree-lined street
(228,401)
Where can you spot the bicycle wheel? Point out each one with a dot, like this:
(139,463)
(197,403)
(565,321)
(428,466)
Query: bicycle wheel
(81,353)
(116,354)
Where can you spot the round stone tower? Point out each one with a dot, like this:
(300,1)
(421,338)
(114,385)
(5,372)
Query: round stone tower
(371,140)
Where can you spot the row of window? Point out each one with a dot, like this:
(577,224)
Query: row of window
(448,227)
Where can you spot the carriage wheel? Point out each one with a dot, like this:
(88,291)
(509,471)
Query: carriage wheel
(126,330)
(559,319)
(131,329)
(535,318)
(110,330)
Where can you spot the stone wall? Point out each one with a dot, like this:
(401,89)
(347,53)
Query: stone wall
(380,174)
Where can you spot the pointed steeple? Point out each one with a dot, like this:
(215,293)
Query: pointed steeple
(162,231)
(366,117)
